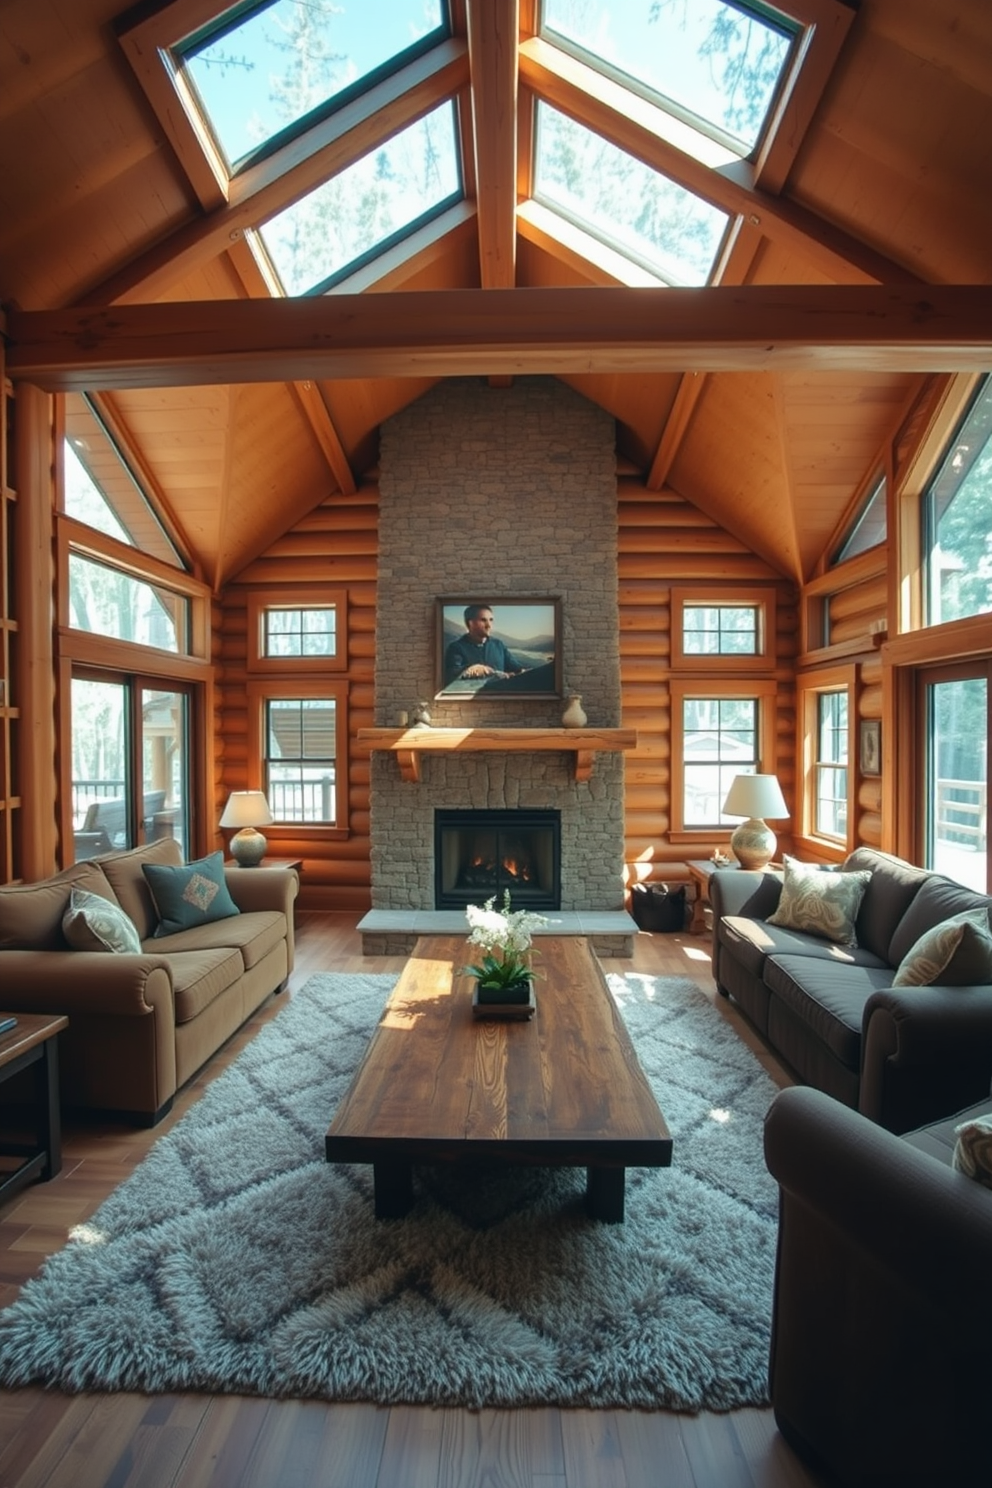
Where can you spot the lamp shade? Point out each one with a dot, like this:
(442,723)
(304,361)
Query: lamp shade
(754,796)
(247,810)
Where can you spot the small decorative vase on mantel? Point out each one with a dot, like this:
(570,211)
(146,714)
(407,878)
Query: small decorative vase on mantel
(574,715)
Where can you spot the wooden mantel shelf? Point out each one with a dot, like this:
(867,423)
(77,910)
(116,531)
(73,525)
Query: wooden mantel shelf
(408,744)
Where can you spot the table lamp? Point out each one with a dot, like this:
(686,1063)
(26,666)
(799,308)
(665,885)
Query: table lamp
(754,796)
(247,810)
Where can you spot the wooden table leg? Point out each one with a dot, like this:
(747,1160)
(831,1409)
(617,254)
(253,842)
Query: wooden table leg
(49,1111)
(604,1193)
(393,1189)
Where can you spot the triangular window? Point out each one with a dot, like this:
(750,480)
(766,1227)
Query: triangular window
(271,69)
(868,528)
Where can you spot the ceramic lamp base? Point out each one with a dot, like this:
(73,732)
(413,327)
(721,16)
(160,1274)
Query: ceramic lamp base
(248,847)
(753,844)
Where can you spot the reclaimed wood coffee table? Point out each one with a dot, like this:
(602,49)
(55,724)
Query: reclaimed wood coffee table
(564,1089)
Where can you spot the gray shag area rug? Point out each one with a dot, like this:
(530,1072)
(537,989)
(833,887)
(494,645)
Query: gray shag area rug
(235,1259)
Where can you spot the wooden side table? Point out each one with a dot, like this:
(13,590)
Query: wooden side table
(34,1041)
(296,863)
(700,872)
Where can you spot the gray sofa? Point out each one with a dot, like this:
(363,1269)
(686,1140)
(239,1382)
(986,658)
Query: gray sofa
(903,1056)
(880,1367)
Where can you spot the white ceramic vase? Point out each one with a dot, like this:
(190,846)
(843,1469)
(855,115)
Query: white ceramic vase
(574,714)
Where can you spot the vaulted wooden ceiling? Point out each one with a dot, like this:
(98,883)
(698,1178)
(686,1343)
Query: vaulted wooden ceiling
(879,174)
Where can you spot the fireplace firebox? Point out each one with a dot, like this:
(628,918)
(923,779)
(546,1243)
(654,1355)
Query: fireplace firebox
(479,854)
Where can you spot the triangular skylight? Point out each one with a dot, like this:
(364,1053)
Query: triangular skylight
(717,63)
(266,69)
(365,208)
(623,202)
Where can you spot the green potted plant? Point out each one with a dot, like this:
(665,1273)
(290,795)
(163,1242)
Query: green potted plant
(504,975)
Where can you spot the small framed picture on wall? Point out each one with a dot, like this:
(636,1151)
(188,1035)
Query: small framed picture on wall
(871,746)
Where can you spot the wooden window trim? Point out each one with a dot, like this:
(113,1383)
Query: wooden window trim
(315,596)
(764,689)
(762,660)
(808,690)
(258,694)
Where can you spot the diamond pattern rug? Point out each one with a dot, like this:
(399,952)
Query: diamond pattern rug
(236,1259)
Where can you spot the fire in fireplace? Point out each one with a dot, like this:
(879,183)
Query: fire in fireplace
(478,854)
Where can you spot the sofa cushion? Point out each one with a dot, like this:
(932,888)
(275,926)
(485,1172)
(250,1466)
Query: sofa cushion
(891,890)
(31,914)
(828,997)
(92,923)
(956,953)
(253,933)
(189,894)
(751,941)
(820,902)
(199,978)
(939,899)
(124,874)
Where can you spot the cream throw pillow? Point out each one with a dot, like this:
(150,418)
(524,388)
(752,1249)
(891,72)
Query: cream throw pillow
(92,923)
(820,902)
(973,1149)
(955,953)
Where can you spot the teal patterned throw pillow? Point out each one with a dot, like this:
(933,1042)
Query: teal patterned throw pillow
(955,953)
(820,902)
(190,895)
(92,923)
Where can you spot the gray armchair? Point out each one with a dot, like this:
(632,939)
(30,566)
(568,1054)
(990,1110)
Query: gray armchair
(881,1358)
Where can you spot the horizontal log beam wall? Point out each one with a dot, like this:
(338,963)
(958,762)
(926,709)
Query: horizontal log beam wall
(664,540)
(335,543)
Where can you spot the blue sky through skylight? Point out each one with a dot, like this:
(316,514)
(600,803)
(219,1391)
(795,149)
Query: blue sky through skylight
(287,58)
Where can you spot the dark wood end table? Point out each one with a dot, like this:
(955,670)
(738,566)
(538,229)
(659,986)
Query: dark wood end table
(34,1042)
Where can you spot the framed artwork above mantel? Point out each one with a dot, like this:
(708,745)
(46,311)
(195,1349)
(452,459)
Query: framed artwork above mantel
(489,649)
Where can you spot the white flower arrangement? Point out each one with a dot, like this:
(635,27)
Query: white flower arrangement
(506,937)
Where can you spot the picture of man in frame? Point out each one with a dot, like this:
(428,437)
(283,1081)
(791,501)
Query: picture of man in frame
(512,652)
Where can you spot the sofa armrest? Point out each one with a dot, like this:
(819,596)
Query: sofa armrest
(925,1053)
(263,888)
(86,982)
(892,1201)
(742,891)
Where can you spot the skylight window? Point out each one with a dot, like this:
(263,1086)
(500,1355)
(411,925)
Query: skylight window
(264,72)
(716,62)
(381,198)
(625,203)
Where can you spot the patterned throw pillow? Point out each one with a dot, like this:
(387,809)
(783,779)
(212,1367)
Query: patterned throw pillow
(190,895)
(955,953)
(92,923)
(973,1149)
(820,902)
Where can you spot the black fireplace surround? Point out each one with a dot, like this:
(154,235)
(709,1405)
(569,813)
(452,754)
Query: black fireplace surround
(479,854)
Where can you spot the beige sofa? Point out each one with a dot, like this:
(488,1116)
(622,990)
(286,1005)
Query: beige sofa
(140,1025)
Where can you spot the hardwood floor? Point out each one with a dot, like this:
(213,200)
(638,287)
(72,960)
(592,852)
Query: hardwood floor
(49,1440)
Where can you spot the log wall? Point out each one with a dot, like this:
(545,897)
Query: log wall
(665,540)
(335,544)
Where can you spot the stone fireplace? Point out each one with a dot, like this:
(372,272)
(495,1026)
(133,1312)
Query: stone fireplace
(488,492)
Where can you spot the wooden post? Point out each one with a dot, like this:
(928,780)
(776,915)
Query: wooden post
(35,617)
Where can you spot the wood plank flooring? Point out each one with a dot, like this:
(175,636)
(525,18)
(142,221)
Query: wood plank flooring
(49,1440)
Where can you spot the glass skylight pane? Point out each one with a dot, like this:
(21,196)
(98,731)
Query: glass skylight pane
(269,69)
(624,202)
(716,61)
(381,197)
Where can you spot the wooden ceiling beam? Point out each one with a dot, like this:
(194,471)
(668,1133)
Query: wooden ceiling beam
(492,52)
(472,332)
